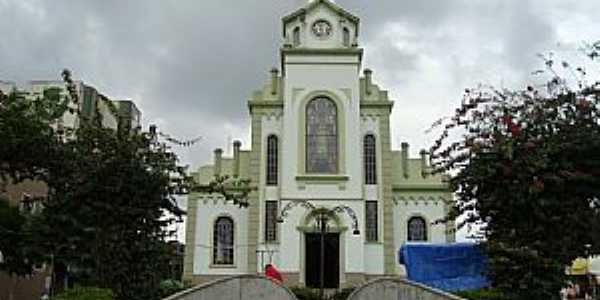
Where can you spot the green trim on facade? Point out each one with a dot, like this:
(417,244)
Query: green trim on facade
(325,178)
(253,104)
(441,187)
(322,63)
(450,225)
(387,105)
(323,51)
(334,229)
(190,239)
(388,205)
(253,197)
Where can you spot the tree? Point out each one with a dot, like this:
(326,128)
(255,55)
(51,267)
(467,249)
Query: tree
(17,259)
(527,169)
(27,135)
(28,143)
(105,215)
(11,232)
(106,209)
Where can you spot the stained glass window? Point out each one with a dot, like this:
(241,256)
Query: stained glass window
(223,241)
(371,221)
(369,159)
(417,229)
(272,145)
(271,221)
(321,136)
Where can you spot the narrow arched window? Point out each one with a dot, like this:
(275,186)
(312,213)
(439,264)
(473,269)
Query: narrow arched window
(417,229)
(370,159)
(346,37)
(223,241)
(296,37)
(272,160)
(321,136)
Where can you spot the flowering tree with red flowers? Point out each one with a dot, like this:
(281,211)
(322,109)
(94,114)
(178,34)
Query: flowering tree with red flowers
(526,169)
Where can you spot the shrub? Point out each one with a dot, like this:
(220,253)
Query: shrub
(485,294)
(85,293)
(306,293)
(342,294)
(170,287)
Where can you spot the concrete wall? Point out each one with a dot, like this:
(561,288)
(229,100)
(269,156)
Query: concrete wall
(244,287)
(398,289)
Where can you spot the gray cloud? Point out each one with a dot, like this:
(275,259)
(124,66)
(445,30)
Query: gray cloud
(192,65)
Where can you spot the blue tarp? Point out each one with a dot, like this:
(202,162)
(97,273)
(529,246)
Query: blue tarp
(448,267)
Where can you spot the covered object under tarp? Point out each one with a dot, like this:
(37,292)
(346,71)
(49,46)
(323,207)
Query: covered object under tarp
(448,267)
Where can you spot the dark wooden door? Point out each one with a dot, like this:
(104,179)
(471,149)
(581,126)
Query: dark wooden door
(331,262)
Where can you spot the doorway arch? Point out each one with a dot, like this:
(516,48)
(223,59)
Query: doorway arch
(336,228)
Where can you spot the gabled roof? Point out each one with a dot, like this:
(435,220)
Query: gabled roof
(311,5)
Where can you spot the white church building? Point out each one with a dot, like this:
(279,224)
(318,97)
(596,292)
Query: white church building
(320,144)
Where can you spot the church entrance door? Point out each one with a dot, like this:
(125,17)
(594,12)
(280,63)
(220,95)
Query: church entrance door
(331,261)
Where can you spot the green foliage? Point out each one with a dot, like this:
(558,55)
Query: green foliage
(486,294)
(85,293)
(111,196)
(342,294)
(306,293)
(28,139)
(526,171)
(170,286)
(12,226)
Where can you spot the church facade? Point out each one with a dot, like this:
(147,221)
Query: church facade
(320,146)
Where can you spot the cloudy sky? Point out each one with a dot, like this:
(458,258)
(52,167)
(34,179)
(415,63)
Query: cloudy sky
(191,65)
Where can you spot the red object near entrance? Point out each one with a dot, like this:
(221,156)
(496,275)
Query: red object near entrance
(273,274)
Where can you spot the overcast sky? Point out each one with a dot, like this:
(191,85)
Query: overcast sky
(191,65)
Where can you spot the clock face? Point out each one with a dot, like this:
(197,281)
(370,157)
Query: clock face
(322,29)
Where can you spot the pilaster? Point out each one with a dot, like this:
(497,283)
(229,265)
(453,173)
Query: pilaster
(253,197)
(388,205)
(190,239)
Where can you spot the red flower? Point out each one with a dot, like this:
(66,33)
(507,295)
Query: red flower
(514,129)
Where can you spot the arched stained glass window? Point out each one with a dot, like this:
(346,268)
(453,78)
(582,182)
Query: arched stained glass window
(370,159)
(321,136)
(272,162)
(223,241)
(296,37)
(417,229)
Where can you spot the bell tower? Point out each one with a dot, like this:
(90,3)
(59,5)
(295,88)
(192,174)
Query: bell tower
(320,25)
(320,59)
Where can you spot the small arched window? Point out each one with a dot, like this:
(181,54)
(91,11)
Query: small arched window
(346,37)
(296,37)
(417,229)
(321,136)
(272,160)
(370,159)
(223,241)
